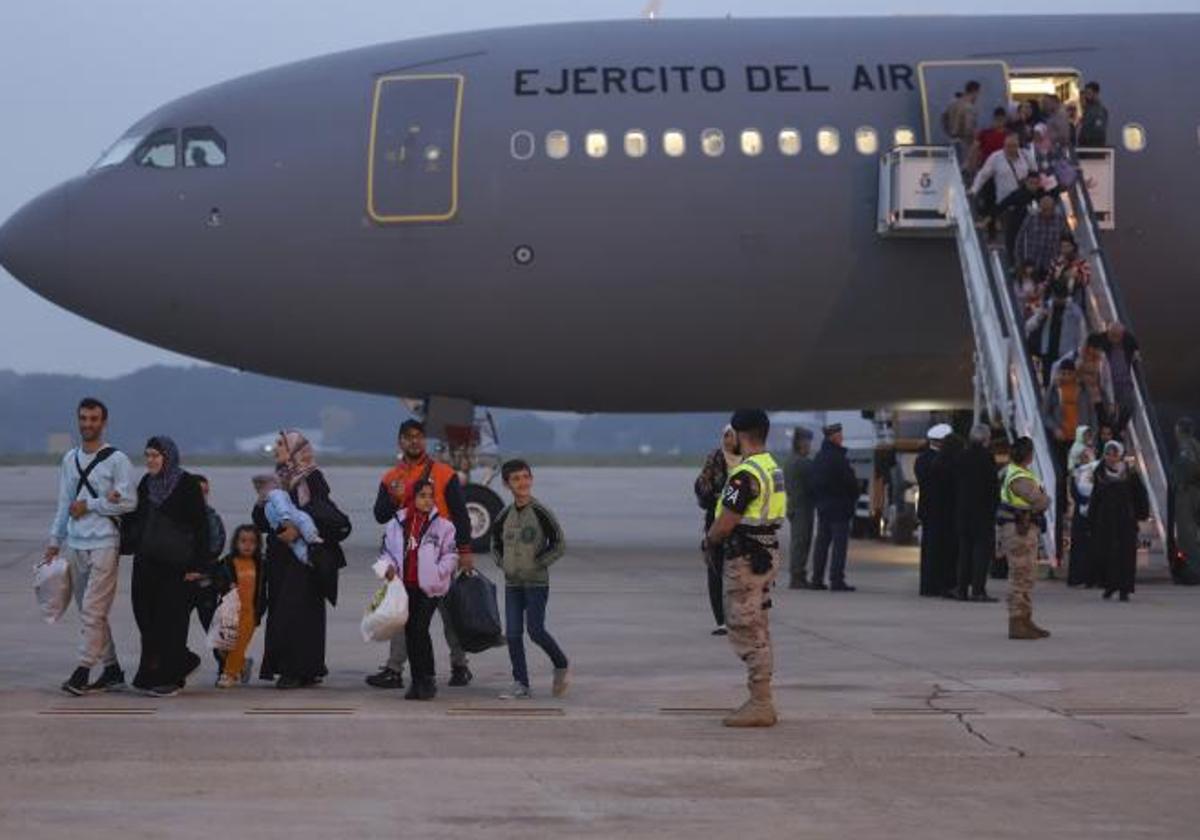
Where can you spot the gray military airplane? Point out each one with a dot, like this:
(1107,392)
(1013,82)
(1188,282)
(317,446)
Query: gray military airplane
(639,215)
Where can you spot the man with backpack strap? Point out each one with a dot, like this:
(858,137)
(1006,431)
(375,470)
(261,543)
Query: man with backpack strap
(95,489)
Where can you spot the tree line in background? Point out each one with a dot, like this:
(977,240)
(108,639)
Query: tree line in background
(209,409)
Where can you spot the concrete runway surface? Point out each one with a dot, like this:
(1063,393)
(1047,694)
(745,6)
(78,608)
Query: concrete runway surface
(901,716)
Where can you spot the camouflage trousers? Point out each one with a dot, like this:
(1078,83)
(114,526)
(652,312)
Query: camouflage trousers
(1021,551)
(747,597)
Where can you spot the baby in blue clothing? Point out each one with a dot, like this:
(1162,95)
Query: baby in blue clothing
(281,512)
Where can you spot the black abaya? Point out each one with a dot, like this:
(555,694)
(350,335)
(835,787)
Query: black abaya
(172,539)
(1116,507)
(295,635)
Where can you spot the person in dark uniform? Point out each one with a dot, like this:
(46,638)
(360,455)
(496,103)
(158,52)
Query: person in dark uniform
(797,476)
(929,508)
(835,492)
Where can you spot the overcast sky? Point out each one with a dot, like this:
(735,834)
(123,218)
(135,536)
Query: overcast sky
(74,74)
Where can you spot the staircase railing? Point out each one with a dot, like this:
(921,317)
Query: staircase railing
(1105,305)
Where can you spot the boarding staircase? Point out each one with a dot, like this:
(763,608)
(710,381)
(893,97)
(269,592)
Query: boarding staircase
(1144,433)
(921,193)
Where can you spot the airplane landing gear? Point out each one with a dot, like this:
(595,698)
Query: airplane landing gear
(483,505)
(468,448)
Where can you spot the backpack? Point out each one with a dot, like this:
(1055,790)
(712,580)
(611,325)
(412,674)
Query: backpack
(123,524)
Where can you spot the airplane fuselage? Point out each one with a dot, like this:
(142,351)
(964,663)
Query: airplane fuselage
(469,262)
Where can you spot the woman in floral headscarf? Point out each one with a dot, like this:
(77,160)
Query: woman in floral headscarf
(294,649)
(171,534)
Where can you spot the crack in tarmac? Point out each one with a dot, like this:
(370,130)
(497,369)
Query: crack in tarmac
(938,692)
(961,716)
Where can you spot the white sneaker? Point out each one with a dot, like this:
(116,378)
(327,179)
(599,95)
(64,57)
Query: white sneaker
(226,681)
(516,692)
(562,681)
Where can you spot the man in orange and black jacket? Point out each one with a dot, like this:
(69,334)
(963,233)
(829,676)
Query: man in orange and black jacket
(413,465)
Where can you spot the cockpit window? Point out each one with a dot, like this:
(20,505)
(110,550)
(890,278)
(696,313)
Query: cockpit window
(203,146)
(118,152)
(158,150)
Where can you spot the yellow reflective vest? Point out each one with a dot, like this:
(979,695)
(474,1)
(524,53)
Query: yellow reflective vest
(769,508)
(1011,474)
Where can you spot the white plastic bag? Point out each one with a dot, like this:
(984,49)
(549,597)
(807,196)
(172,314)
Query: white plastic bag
(52,586)
(387,613)
(223,631)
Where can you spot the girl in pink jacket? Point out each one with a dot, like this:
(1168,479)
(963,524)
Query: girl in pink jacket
(420,545)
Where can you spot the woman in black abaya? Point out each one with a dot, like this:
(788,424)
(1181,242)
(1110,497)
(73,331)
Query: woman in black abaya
(294,649)
(171,528)
(1119,501)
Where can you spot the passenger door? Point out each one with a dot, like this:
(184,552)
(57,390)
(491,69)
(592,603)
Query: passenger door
(941,81)
(412,164)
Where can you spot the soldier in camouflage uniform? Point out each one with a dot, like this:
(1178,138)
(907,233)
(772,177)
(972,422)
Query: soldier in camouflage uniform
(1022,499)
(750,513)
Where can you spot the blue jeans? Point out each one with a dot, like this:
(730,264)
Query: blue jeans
(527,605)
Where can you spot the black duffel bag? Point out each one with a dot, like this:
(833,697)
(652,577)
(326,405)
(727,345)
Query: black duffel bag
(474,612)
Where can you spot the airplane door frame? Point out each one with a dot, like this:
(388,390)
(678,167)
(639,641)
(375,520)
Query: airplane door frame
(963,63)
(456,140)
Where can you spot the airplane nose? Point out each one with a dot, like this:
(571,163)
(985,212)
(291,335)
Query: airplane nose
(33,243)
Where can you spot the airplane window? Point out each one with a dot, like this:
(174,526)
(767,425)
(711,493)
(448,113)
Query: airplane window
(636,144)
(118,152)
(712,141)
(866,140)
(1134,136)
(203,146)
(904,136)
(522,145)
(158,150)
(752,144)
(828,140)
(789,142)
(558,145)
(596,144)
(674,143)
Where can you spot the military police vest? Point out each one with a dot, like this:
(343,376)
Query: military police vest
(1011,474)
(769,508)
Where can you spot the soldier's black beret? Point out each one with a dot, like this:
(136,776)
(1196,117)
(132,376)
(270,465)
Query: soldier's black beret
(750,419)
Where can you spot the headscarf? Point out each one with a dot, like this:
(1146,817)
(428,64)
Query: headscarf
(1078,448)
(161,486)
(301,462)
(1119,471)
(731,459)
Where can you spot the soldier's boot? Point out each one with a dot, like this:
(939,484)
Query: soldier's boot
(759,710)
(1042,633)
(1020,627)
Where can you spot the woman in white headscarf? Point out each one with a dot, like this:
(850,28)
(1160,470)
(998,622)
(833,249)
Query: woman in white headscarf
(709,484)
(294,649)
(1119,501)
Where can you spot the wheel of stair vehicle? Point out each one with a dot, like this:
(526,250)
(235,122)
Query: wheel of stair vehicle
(483,506)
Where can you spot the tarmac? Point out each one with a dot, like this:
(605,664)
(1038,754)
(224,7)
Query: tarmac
(901,716)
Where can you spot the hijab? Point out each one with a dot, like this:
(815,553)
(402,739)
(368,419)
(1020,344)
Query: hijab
(301,462)
(731,459)
(161,486)
(1117,473)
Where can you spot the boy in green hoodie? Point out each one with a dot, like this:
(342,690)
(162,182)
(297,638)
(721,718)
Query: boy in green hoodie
(526,540)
